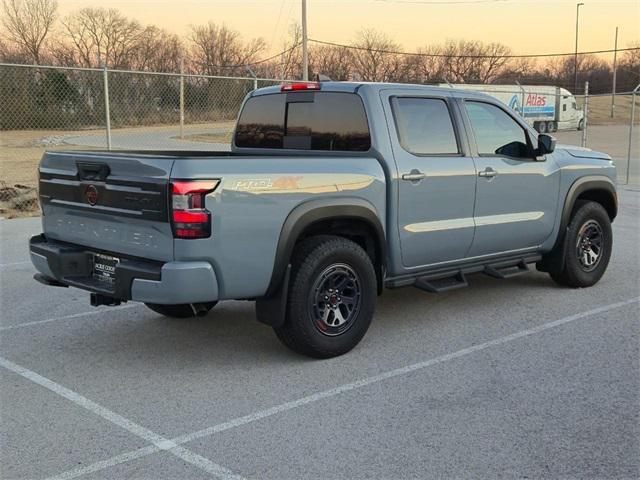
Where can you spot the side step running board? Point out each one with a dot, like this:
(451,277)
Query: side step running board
(444,284)
(506,271)
(455,277)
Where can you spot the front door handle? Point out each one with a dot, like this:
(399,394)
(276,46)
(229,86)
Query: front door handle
(414,176)
(488,173)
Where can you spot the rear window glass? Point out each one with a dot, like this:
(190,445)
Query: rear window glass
(308,121)
(424,126)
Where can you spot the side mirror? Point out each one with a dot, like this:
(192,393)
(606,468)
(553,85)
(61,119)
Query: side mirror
(546,144)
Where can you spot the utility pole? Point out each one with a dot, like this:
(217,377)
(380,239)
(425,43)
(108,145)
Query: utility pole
(305,54)
(575,56)
(615,71)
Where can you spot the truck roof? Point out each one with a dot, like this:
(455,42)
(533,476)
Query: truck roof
(352,87)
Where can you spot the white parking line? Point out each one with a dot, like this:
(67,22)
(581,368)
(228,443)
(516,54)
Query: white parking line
(284,407)
(158,441)
(66,317)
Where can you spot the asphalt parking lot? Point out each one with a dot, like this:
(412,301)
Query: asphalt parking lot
(517,378)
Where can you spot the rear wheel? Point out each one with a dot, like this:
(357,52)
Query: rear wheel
(588,246)
(542,127)
(552,127)
(331,297)
(184,310)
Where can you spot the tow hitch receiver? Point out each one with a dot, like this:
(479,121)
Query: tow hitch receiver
(98,299)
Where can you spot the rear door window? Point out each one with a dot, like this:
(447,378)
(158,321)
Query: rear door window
(331,121)
(424,126)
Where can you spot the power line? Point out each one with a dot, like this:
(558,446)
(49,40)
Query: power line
(445,55)
(472,2)
(441,2)
(258,62)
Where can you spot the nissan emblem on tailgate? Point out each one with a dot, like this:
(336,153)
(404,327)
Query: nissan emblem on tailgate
(91,194)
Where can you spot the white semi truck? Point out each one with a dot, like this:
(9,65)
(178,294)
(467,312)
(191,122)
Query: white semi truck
(546,108)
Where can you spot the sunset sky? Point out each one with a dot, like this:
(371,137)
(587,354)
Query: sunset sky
(527,26)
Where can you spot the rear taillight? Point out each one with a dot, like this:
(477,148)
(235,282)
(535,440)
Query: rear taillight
(189,217)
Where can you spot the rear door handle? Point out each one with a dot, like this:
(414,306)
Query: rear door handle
(488,173)
(414,176)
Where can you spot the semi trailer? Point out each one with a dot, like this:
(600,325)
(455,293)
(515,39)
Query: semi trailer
(545,108)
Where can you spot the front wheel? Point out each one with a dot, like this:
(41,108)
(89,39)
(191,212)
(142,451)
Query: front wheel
(183,310)
(587,247)
(331,299)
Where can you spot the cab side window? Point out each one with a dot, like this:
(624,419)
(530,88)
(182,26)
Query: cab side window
(496,132)
(425,126)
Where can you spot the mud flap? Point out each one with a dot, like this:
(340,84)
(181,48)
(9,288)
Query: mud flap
(553,262)
(272,310)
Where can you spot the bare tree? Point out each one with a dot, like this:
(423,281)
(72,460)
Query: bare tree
(157,50)
(335,62)
(10,54)
(290,62)
(629,70)
(371,60)
(560,72)
(473,61)
(214,49)
(102,35)
(427,67)
(28,23)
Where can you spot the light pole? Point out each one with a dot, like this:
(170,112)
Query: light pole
(615,71)
(575,56)
(305,54)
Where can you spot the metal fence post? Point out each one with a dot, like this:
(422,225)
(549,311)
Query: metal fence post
(255,77)
(586,113)
(181,99)
(107,114)
(633,114)
(522,101)
(615,71)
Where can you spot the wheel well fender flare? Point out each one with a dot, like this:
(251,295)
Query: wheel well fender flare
(582,185)
(314,211)
(554,260)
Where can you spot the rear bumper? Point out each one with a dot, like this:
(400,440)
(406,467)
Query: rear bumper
(138,280)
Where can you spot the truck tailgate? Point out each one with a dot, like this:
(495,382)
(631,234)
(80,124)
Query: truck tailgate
(115,202)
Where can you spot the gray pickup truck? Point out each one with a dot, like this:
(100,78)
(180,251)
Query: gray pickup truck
(331,193)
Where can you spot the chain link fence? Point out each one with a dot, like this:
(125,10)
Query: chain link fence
(63,108)
(60,108)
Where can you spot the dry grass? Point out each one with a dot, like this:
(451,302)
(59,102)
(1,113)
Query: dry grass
(600,110)
(21,151)
(209,137)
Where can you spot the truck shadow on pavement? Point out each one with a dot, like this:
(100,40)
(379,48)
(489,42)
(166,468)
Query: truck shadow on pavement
(230,335)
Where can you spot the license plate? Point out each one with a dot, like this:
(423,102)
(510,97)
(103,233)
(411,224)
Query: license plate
(104,268)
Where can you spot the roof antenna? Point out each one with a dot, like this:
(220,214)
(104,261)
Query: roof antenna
(322,78)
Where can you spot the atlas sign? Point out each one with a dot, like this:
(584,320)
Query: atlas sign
(535,100)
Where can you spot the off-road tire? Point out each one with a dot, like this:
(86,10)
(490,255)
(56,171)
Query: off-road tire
(184,310)
(575,274)
(313,257)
